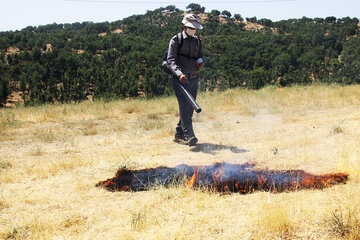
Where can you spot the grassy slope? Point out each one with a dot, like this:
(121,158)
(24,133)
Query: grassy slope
(52,156)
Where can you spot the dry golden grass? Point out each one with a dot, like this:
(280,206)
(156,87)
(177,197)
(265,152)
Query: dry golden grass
(51,157)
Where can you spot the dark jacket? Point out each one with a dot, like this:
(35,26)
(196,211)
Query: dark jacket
(184,61)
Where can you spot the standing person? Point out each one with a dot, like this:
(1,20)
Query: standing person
(184,59)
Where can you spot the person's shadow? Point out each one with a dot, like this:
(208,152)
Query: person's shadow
(210,148)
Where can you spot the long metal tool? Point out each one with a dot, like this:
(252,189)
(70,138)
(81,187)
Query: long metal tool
(189,97)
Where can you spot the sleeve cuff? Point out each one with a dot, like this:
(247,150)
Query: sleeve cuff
(178,73)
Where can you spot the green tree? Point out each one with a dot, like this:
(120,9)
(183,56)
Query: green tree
(238,17)
(257,79)
(215,12)
(4,90)
(351,58)
(196,8)
(252,19)
(226,13)
(126,61)
(155,83)
(331,19)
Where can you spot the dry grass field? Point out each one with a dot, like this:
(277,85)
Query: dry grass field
(52,156)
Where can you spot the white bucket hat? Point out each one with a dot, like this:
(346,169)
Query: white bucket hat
(191,20)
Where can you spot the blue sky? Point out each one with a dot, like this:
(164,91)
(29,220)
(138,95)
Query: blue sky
(18,14)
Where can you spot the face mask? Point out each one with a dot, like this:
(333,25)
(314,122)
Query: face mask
(190,32)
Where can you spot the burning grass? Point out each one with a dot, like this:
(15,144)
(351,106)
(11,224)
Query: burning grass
(221,177)
(52,156)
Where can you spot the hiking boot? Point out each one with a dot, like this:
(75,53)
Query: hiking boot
(180,139)
(192,141)
(179,132)
(179,135)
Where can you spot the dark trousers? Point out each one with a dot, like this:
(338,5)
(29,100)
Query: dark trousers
(186,110)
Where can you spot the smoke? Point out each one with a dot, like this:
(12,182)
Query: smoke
(221,177)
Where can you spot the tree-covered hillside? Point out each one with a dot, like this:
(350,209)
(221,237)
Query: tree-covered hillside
(70,62)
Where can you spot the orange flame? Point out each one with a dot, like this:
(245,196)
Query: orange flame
(194,177)
(218,174)
(261,179)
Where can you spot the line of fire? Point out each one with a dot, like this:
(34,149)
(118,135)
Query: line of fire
(221,177)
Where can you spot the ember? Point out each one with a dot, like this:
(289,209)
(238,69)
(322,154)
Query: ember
(221,177)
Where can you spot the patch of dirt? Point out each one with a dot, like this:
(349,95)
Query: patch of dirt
(118,31)
(253,26)
(12,50)
(203,17)
(257,27)
(48,47)
(78,51)
(248,25)
(16,95)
